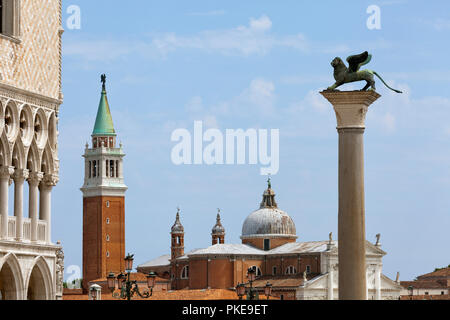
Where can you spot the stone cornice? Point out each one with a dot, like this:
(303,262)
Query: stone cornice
(29,97)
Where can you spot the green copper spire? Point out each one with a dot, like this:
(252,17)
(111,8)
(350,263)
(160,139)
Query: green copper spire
(103,124)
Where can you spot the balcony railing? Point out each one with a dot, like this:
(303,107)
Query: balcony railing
(12,230)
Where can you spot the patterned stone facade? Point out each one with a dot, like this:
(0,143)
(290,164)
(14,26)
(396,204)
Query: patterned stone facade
(31,60)
(31,266)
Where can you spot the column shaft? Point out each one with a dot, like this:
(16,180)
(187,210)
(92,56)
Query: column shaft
(33,183)
(351,221)
(4,185)
(45,208)
(19,179)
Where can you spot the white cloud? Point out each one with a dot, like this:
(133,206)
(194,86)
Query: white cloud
(255,38)
(389,122)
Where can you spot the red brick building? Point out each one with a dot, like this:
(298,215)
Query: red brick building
(296,270)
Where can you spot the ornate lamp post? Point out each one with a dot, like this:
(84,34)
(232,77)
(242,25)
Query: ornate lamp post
(252,294)
(129,288)
(240,290)
(268,290)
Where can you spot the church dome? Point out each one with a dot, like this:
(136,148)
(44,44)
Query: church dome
(268,220)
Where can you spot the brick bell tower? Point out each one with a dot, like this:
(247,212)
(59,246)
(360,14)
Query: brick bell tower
(103,199)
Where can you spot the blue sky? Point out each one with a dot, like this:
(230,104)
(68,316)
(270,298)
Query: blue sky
(260,64)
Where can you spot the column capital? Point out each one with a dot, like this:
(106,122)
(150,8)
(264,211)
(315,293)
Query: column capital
(351,106)
(35,177)
(6,172)
(50,180)
(20,175)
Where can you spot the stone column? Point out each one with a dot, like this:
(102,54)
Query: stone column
(5,175)
(378,282)
(33,183)
(351,108)
(330,282)
(45,188)
(19,178)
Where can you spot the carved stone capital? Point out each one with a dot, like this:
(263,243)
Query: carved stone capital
(50,180)
(6,172)
(351,106)
(20,175)
(35,178)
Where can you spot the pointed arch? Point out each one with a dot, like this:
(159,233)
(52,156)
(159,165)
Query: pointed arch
(5,152)
(18,156)
(10,268)
(47,163)
(33,160)
(39,284)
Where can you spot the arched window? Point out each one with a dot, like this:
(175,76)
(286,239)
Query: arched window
(111,168)
(291,270)
(185,272)
(258,272)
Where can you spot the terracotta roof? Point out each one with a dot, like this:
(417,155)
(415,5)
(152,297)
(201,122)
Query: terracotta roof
(426,297)
(424,284)
(211,294)
(440,273)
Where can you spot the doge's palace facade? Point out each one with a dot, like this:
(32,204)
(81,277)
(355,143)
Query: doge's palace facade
(31,266)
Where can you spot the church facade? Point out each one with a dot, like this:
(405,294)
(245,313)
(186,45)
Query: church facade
(31,265)
(296,270)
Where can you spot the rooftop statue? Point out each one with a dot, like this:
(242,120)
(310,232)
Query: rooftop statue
(343,75)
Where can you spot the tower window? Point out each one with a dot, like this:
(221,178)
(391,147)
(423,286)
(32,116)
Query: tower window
(107,237)
(185,272)
(111,168)
(107,220)
(90,169)
(308,269)
(107,204)
(107,254)
(274,271)
(94,171)
(117,168)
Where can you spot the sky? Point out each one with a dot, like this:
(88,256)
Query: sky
(260,65)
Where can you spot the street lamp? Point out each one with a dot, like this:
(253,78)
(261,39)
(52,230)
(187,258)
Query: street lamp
(252,294)
(268,290)
(240,290)
(127,287)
